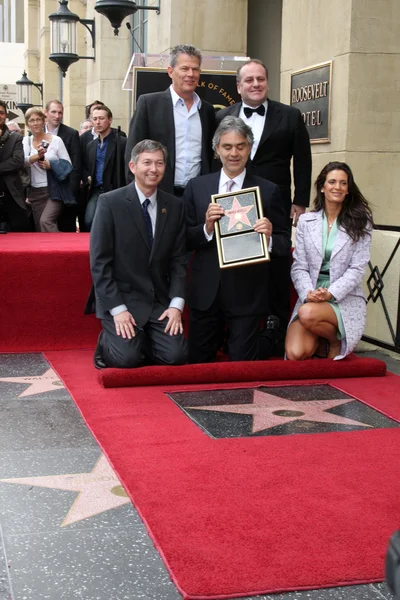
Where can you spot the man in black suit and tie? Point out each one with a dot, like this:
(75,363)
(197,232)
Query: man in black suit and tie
(279,135)
(237,296)
(104,167)
(54,112)
(138,264)
(179,120)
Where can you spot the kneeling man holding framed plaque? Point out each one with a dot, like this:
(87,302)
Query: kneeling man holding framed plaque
(237,241)
(252,227)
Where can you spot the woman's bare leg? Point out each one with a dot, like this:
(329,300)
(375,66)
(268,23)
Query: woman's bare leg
(300,342)
(320,319)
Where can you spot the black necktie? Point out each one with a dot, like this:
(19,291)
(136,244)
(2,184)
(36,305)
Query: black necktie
(147,221)
(249,111)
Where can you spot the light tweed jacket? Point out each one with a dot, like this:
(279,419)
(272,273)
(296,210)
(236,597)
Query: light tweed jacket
(347,267)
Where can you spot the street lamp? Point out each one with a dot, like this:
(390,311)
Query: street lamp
(24,92)
(117,10)
(63,36)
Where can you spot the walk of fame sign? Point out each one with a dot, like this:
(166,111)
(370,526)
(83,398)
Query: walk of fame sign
(237,242)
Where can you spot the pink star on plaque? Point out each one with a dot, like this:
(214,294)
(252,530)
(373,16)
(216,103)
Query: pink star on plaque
(269,411)
(98,491)
(48,382)
(238,214)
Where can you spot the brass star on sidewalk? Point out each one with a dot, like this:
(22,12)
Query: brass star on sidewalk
(270,411)
(98,491)
(48,382)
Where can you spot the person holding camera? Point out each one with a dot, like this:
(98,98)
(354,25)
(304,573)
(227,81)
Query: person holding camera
(40,150)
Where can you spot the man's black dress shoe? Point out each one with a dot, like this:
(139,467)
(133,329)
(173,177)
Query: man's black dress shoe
(98,354)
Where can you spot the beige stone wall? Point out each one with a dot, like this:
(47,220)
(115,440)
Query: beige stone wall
(216,27)
(264,33)
(365,48)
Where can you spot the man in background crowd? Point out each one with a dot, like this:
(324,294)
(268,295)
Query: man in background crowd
(54,112)
(86,125)
(14,215)
(179,120)
(104,167)
(13,127)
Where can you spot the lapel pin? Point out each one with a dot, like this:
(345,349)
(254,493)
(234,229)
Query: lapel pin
(164,211)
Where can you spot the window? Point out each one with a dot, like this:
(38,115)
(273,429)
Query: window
(11,27)
(139,29)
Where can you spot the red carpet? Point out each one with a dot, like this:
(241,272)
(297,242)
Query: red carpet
(234,372)
(253,515)
(45,282)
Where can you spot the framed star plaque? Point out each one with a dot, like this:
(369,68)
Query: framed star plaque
(237,242)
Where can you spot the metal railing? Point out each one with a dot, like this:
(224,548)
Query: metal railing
(376,286)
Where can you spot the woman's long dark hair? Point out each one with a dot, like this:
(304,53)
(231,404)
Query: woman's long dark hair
(356,213)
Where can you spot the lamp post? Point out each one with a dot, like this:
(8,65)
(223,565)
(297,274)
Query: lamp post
(24,92)
(63,36)
(117,10)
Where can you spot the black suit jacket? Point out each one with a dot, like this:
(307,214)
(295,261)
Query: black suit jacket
(124,269)
(154,119)
(87,137)
(11,162)
(284,136)
(70,137)
(110,172)
(244,288)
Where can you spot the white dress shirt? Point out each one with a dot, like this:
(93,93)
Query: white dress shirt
(188,136)
(54,132)
(256,122)
(176,302)
(55,151)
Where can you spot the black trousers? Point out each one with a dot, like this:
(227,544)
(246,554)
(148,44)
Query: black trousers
(150,344)
(279,289)
(13,215)
(67,219)
(242,334)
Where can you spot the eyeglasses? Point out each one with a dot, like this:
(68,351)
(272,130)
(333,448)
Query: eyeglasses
(32,121)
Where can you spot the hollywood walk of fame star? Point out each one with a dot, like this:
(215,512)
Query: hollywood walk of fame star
(269,411)
(48,382)
(98,491)
(238,213)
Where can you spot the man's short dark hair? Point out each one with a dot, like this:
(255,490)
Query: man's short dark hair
(256,61)
(50,102)
(148,146)
(104,107)
(183,49)
(97,103)
(235,124)
(4,105)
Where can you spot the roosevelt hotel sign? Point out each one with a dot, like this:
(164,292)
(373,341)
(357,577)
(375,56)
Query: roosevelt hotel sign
(311,94)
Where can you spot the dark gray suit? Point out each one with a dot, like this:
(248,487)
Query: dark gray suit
(238,294)
(126,271)
(11,189)
(153,119)
(70,137)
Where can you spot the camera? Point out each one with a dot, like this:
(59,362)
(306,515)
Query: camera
(44,145)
